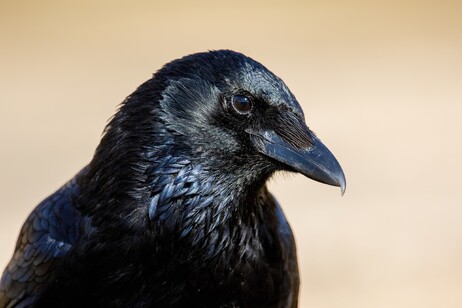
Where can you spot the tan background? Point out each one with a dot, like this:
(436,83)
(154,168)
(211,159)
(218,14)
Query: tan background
(380,82)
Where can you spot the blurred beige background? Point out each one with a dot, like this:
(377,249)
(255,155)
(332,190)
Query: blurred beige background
(380,83)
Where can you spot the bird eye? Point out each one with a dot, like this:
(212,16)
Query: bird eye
(242,104)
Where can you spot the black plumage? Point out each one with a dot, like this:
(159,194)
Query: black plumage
(173,210)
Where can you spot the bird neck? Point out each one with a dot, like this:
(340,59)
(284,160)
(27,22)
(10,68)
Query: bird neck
(207,211)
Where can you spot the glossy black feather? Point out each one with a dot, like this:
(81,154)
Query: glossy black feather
(46,237)
(173,210)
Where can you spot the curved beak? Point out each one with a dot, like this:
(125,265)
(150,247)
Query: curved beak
(303,152)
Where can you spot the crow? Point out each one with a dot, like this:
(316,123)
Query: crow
(173,210)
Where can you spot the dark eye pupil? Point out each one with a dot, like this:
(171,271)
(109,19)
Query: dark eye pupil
(242,103)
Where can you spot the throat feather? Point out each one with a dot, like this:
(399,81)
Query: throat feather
(187,207)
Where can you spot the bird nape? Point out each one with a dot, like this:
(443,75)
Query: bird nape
(173,209)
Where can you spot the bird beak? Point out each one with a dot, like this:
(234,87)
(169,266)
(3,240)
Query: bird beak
(301,151)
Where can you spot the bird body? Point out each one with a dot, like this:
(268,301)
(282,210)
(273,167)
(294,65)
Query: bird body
(173,210)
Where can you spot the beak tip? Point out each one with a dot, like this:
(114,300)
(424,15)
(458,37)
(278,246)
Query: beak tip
(341,181)
(343,188)
(342,185)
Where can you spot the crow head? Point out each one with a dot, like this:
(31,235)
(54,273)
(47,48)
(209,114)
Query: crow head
(220,111)
(228,112)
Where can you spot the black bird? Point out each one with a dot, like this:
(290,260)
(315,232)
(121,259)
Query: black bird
(173,210)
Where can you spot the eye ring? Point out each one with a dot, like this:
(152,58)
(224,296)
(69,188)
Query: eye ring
(242,104)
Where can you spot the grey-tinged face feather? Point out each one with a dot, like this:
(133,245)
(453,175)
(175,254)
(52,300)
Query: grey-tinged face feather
(230,71)
(267,86)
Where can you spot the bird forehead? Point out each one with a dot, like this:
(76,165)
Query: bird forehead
(266,86)
(231,72)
